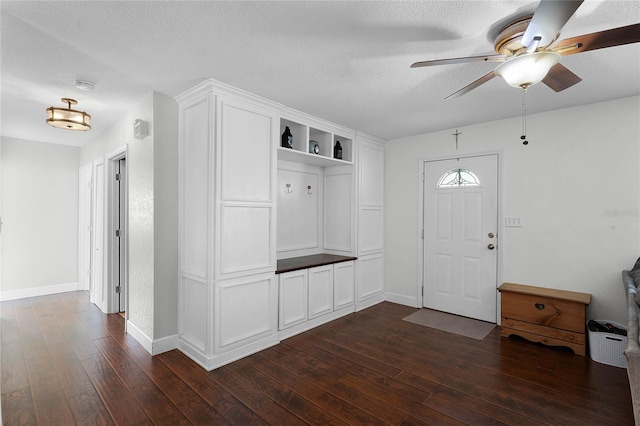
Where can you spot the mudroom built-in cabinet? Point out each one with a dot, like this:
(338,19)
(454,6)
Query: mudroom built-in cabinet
(270,208)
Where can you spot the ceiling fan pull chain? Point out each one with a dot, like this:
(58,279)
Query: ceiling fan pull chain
(524,117)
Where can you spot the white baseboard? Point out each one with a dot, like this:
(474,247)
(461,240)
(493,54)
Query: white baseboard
(402,299)
(218,360)
(144,340)
(165,344)
(154,347)
(38,291)
(367,303)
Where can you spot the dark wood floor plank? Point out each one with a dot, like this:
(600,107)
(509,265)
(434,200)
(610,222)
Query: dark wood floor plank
(312,390)
(152,400)
(17,408)
(322,390)
(389,390)
(120,403)
(21,304)
(571,406)
(511,402)
(196,409)
(562,383)
(88,409)
(42,377)
(114,325)
(284,396)
(253,398)
(218,397)
(357,358)
(464,407)
(14,369)
(54,411)
(8,323)
(50,329)
(65,362)
(275,414)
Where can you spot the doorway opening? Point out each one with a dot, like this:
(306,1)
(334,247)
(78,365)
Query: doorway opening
(118,233)
(120,215)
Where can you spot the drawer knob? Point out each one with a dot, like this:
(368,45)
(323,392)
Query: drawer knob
(539,306)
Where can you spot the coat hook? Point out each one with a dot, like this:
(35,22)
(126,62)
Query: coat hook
(309,189)
(289,190)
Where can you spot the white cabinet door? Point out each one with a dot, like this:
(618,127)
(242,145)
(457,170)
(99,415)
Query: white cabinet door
(320,290)
(371,184)
(371,276)
(343,284)
(245,310)
(245,178)
(293,298)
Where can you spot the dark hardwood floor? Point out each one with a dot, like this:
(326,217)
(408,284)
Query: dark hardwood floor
(64,363)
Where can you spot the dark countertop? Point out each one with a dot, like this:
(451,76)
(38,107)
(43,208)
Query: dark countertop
(304,262)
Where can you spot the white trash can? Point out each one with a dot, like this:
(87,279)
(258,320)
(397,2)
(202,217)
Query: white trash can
(606,346)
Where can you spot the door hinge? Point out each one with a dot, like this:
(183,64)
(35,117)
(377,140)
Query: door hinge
(117,289)
(117,176)
(422,291)
(117,233)
(423,177)
(422,234)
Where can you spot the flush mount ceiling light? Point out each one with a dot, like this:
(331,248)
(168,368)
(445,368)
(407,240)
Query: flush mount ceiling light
(67,118)
(85,85)
(527,69)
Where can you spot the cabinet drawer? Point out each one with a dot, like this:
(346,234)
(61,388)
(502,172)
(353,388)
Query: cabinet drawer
(544,311)
(554,333)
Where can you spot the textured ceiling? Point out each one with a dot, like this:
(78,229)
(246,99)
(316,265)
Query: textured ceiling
(347,62)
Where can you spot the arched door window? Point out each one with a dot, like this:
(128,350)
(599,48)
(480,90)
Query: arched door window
(456,178)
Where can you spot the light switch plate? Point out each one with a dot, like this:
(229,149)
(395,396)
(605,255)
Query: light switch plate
(513,222)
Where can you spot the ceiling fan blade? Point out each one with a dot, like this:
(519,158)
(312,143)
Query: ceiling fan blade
(549,19)
(480,58)
(600,40)
(560,78)
(472,86)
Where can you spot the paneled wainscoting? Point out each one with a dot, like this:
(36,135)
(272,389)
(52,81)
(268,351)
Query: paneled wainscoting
(64,362)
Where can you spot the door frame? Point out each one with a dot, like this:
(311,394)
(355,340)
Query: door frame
(421,224)
(97,269)
(85,225)
(111,206)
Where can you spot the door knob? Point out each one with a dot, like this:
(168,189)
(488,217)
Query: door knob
(491,246)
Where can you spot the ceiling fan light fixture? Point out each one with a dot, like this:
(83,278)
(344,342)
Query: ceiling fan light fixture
(67,118)
(527,69)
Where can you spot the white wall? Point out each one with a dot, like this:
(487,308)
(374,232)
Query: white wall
(40,215)
(165,175)
(575,186)
(152,165)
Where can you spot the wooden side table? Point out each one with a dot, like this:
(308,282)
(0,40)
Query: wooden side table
(549,316)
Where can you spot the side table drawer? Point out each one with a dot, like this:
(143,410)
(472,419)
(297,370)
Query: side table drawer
(544,311)
(554,333)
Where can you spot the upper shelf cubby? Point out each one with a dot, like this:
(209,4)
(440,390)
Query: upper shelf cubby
(313,145)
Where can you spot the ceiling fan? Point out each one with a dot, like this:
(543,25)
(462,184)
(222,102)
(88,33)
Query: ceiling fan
(528,51)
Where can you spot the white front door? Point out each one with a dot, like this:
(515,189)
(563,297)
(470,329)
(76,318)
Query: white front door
(460,236)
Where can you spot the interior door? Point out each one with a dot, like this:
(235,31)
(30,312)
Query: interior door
(97,279)
(85,190)
(460,236)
